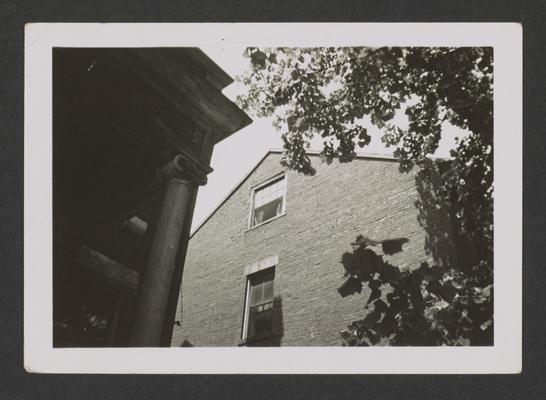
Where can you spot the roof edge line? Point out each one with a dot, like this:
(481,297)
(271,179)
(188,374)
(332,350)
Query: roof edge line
(361,154)
(245,177)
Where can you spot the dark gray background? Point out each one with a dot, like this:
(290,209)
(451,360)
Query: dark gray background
(15,383)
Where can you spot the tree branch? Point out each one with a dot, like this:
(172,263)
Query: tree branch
(315,71)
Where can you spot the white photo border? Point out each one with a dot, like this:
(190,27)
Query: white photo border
(504,357)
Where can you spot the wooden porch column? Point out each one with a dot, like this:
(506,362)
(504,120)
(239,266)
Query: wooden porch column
(182,179)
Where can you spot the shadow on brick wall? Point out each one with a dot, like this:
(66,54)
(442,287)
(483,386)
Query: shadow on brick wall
(277,321)
(436,216)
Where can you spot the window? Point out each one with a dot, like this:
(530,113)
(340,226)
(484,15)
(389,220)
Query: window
(268,201)
(259,303)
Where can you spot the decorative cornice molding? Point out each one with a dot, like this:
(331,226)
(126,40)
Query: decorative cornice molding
(182,167)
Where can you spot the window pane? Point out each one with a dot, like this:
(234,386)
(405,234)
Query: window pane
(268,193)
(268,211)
(268,291)
(256,294)
(259,321)
(267,275)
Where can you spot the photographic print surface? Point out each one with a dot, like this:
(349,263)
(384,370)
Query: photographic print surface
(317,198)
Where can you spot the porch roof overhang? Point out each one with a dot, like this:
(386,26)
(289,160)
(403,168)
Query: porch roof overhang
(120,113)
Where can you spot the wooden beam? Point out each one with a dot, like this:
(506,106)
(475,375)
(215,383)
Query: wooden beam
(109,272)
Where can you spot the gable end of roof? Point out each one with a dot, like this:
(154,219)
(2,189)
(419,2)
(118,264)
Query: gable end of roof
(372,156)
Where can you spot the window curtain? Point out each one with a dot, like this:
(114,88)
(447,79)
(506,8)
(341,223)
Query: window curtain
(279,208)
(258,217)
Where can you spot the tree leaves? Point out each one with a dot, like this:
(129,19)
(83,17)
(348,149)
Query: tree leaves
(429,305)
(376,82)
(258,59)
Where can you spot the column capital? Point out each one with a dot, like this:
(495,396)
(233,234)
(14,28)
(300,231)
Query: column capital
(185,168)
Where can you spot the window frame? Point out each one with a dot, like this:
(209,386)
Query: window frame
(256,188)
(246,309)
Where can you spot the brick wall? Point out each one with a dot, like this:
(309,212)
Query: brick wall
(324,214)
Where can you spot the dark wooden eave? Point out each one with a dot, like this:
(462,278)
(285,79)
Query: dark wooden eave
(120,113)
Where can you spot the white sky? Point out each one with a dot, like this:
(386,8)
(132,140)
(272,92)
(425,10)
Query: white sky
(236,155)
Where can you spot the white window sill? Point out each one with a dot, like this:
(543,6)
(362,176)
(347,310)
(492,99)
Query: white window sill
(265,222)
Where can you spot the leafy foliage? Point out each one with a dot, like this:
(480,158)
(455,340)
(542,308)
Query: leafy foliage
(330,93)
(430,305)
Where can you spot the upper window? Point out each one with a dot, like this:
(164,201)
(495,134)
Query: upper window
(268,201)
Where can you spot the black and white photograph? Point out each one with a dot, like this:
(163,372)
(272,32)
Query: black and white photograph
(211,188)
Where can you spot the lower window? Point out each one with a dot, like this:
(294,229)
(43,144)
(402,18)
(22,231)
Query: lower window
(259,304)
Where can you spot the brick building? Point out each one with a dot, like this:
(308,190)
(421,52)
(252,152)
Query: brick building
(264,268)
